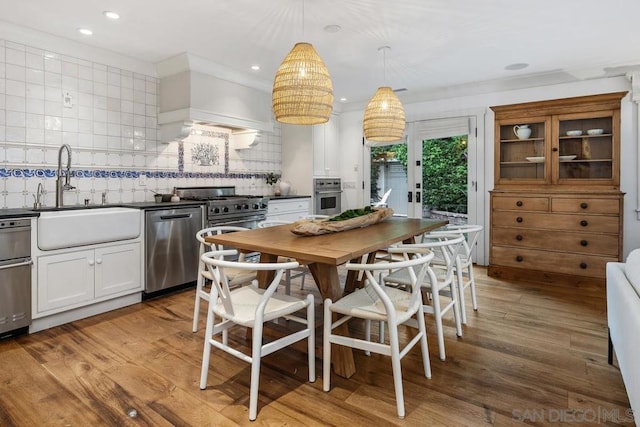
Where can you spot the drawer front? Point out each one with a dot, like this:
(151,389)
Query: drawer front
(532,259)
(597,206)
(289,205)
(521,203)
(564,222)
(586,243)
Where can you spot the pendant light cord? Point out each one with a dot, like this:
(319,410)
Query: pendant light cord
(384,50)
(384,66)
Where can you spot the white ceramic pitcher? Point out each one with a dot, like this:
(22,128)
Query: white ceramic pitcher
(522,131)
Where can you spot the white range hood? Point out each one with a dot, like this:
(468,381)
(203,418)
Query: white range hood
(195,90)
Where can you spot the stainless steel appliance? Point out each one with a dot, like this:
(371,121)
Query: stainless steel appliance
(328,195)
(224,207)
(15,276)
(171,249)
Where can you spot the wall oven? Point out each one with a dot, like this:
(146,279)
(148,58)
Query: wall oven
(15,276)
(328,196)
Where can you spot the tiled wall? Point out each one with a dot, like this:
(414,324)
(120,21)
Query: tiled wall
(110,123)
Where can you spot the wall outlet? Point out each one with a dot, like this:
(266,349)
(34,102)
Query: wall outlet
(349,184)
(67,100)
(142,179)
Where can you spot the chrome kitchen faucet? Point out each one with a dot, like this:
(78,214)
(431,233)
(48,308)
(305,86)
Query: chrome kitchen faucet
(66,186)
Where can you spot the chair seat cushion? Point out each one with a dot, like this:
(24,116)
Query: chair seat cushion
(235,276)
(632,269)
(246,300)
(402,277)
(365,304)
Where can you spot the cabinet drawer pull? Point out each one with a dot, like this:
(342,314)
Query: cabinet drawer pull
(554,149)
(519,203)
(583,265)
(583,243)
(519,258)
(584,223)
(519,219)
(584,205)
(519,237)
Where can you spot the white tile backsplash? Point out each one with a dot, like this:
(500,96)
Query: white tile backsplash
(15,72)
(112,127)
(15,57)
(16,118)
(15,88)
(52,79)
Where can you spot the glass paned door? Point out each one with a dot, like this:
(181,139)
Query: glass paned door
(389,177)
(444,178)
(443,169)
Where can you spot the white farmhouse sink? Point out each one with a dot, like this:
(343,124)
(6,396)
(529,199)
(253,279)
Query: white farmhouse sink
(78,227)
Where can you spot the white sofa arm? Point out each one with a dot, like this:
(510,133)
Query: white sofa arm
(623,319)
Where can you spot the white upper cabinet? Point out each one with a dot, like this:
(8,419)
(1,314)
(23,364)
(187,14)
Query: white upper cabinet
(326,149)
(310,151)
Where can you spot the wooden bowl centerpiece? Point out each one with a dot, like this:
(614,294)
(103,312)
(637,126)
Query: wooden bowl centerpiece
(352,218)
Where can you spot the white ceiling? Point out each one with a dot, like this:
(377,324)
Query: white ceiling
(435,44)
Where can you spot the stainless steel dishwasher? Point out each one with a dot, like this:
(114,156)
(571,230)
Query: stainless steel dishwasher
(171,248)
(15,276)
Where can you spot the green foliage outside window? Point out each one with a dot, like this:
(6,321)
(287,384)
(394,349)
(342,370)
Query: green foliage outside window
(444,172)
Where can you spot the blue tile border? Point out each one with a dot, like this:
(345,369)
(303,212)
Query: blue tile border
(100,173)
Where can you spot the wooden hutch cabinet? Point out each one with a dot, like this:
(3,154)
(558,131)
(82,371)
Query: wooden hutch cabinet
(556,206)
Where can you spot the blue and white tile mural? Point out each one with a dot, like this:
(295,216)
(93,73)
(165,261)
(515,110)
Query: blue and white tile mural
(110,122)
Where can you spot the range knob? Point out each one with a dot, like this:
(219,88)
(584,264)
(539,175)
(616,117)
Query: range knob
(256,206)
(245,206)
(238,207)
(216,210)
(225,209)
(263,206)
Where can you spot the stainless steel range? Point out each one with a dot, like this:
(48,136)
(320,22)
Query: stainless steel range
(224,207)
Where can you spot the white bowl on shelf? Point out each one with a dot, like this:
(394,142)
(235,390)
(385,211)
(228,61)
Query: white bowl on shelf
(595,131)
(574,132)
(535,159)
(568,157)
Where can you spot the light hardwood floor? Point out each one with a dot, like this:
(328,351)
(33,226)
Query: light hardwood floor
(533,353)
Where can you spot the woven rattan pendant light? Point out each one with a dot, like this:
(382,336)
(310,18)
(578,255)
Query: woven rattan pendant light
(302,89)
(384,118)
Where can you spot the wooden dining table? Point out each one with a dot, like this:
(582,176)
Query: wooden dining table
(323,254)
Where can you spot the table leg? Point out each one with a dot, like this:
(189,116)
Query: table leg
(264,276)
(326,276)
(352,283)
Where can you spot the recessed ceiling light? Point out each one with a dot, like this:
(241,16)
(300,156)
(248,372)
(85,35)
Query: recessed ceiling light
(111,15)
(343,99)
(516,66)
(85,31)
(333,28)
(255,67)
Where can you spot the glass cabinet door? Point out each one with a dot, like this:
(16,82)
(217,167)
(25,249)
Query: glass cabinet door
(522,151)
(585,148)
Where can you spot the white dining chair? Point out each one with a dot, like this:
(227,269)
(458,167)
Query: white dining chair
(465,265)
(375,302)
(439,281)
(301,271)
(235,277)
(250,306)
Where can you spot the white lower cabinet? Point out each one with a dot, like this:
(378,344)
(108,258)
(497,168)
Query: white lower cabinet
(76,278)
(289,209)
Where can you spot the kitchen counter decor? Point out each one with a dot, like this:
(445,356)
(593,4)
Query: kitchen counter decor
(347,220)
